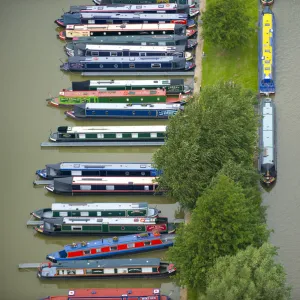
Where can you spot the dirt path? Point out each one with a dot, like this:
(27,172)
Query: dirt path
(197,85)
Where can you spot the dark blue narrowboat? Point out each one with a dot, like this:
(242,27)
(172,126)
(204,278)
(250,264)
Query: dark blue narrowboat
(67,169)
(113,246)
(96,111)
(129,50)
(266,58)
(133,64)
(139,40)
(121,18)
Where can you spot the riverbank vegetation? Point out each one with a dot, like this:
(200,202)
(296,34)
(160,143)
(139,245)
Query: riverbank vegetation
(234,58)
(207,164)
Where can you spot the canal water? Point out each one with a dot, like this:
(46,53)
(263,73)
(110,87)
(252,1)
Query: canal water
(284,199)
(30,60)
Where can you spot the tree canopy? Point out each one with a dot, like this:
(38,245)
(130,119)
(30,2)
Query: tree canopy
(251,274)
(223,222)
(226,23)
(217,127)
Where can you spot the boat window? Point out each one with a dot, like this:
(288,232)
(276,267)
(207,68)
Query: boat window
(63,214)
(161,6)
(86,252)
(113,53)
(95,53)
(116,66)
(76,173)
(76,228)
(152,92)
(110,187)
(84,213)
(131,66)
(98,250)
(91,21)
(155,65)
(153,134)
(81,135)
(147,243)
(113,248)
(139,6)
(93,112)
(85,187)
(135,135)
(142,54)
(146,187)
(130,245)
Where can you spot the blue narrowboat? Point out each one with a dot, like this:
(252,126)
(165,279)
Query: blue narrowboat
(102,248)
(95,111)
(267,165)
(121,18)
(67,169)
(266,59)
(133,64)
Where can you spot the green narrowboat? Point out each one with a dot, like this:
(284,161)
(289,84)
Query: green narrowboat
(108,133)
(106,210)
(104,226)
(69,98)
(172,86)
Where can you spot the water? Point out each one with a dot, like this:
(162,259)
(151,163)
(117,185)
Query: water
(284,199)
(29,61)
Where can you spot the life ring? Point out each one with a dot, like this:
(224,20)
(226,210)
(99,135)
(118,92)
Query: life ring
(142,220)
(71,293)
(122,228)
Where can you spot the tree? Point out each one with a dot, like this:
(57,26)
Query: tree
(251,274)
(218,126)
(226,23)
(223,222)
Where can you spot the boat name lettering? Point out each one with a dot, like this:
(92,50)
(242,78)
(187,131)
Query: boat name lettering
(167,112)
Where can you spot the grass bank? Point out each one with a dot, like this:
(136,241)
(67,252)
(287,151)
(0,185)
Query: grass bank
(239,65)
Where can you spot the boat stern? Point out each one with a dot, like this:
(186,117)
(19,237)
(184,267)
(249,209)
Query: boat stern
(38,214)
(187,89)
(39,229)
(41,173)
(191,32)
(50,188)
(189,65)
(65,67)
(188,55)
(267,2)
(69,49)
(194,12)
(191,43)
(53,137)
(62,35)
(59,22)
(191,23)
(153,212)
(53,101)
(70,114)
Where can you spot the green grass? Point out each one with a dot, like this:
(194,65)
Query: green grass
(239,65)
(192,294)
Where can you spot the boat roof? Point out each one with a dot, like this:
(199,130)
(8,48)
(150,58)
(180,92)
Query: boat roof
(124,93)
(124,27)
(109,263)
(267,44)
(108,129)
(101,220)
(129,7)
(110,180)
(98,206)
(125,106)
(136,16)
(135,82)
(119,293)
(142,38)
(95,47)
(124,59)
(268,131)
(104,166)
(122,239)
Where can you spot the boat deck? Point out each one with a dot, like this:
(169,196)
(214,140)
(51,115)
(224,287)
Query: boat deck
(102,144)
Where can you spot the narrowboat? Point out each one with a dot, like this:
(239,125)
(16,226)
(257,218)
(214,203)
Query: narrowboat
(267,2)
(103,226)
(67,169)
(125,8)
(266,59)
(108,133)
(172,86)
(124,210)
(128,18)
(70,98)
(96,111)
(131,64)
(191,3)
(107,268)
(103,248)
(112,293)
(103,185)
(138,40)
(267,165)
(124,29)
(128,50)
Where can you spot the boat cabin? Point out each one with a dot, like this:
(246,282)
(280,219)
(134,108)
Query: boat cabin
(131,64)
(101,225)
(103,185)
(67,169)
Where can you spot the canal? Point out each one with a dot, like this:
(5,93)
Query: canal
(30,60)
(284,199)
